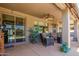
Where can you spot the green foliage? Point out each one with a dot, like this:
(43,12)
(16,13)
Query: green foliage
(64,48)
(34,33)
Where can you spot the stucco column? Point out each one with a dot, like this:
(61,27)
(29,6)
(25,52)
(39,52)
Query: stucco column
(66,27)
(58,25)
(76,31)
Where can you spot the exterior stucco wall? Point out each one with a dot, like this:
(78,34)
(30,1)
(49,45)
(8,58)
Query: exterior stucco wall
(29,19)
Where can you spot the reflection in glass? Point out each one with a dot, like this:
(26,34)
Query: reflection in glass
(20,29)
(8,28)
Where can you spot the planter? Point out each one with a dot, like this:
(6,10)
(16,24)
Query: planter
(64,48)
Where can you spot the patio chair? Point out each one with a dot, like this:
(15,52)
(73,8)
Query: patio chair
(47,41)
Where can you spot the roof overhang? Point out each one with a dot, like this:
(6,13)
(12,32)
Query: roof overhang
(72,6)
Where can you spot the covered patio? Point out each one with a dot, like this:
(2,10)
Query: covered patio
(60,18)
(40,50)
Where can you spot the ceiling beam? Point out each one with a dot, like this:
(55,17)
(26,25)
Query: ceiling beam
(57,7)
(71,6)
(73,10)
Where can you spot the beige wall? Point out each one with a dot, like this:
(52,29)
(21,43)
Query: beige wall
(29,19)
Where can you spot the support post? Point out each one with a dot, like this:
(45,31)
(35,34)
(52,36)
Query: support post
(66,27)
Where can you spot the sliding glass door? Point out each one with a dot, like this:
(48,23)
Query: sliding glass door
(13,28)
(20,36)
(8,28)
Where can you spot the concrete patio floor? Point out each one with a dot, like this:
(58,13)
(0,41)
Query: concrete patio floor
(40,50)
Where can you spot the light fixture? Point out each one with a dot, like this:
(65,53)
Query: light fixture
(1,27)
(78,50)
(35,23)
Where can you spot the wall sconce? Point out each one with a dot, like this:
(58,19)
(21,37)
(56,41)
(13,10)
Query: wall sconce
(35,23)
(1,27)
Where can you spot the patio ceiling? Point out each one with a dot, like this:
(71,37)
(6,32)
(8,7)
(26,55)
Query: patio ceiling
(35,9)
